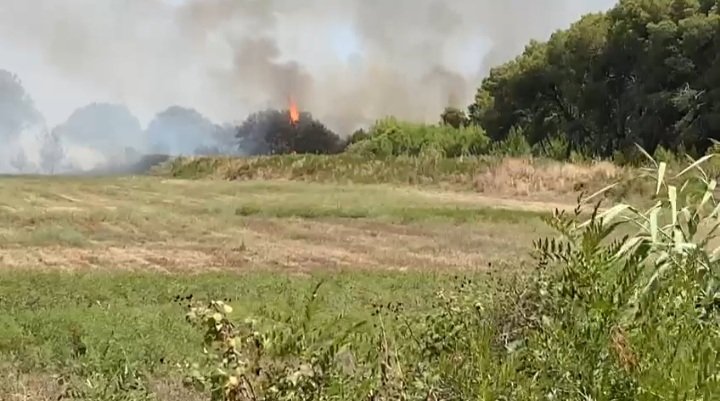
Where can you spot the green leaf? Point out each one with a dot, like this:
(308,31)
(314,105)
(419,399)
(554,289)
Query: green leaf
(695,164)
(600,192)
(662,267)
(708,193)
(660,176)
(654,224)
(628,245)
(672,195)
(613,212)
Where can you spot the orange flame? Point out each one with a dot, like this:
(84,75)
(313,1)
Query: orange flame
(294,113)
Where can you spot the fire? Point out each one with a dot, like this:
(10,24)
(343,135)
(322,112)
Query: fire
(294,113)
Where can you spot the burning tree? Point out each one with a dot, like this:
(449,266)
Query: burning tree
(282,132)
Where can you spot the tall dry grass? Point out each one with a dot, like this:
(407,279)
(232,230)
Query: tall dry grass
(525,177)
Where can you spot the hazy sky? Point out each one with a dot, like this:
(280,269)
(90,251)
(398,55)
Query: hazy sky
(151,54)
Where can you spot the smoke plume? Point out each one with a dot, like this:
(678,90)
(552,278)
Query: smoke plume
(348,62)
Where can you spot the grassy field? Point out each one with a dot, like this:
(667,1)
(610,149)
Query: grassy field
(171,225)
(340,289)
(91,328)
(92,268)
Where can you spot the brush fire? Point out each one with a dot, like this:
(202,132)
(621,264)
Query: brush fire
(294,113)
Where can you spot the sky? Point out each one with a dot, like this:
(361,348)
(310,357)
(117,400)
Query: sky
(133,53)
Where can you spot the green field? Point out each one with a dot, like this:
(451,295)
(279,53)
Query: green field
(94,325)
(353,291)
(180,225)
(97,264)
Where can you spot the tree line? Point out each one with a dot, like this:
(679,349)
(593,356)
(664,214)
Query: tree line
(645,72)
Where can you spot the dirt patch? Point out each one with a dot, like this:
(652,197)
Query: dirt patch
(474,199)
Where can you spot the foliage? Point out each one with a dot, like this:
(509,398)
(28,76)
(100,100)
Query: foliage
(19,112)
(607,315)
(346,167)
(644,72)
(454,117)
(391,137)
(272,132)
(183,131)
(357,136)
(292,360)
(554,147)
(514,145)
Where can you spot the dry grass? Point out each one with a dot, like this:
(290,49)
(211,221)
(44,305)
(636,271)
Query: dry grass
(192,226)
(527,178)
(517,177)
(17,386)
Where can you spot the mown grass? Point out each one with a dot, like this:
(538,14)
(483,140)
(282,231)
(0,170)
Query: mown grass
(176,225)
(102,212)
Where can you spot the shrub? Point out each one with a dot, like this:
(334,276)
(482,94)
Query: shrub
(555,148)
(390,137)
(454,117)
(514,145)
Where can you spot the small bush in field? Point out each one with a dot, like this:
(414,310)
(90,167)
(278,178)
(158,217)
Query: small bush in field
(391,137)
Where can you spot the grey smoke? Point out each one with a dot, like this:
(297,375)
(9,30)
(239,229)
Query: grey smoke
(229,58)
(183,131)
(100,136)
(106,128)
(19,122)
(17,111)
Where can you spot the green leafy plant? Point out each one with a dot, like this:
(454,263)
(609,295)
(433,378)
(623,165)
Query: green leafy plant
(290,360)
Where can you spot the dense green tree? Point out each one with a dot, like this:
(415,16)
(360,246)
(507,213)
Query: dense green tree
(647,72)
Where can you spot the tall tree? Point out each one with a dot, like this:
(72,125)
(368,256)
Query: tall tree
(647,71)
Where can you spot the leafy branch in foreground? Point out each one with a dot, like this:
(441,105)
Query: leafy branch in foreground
(640,287)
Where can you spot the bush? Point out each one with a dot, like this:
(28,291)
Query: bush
(390,137)
(555,148)
(514,145)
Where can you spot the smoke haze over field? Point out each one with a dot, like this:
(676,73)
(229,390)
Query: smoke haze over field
(347,61)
